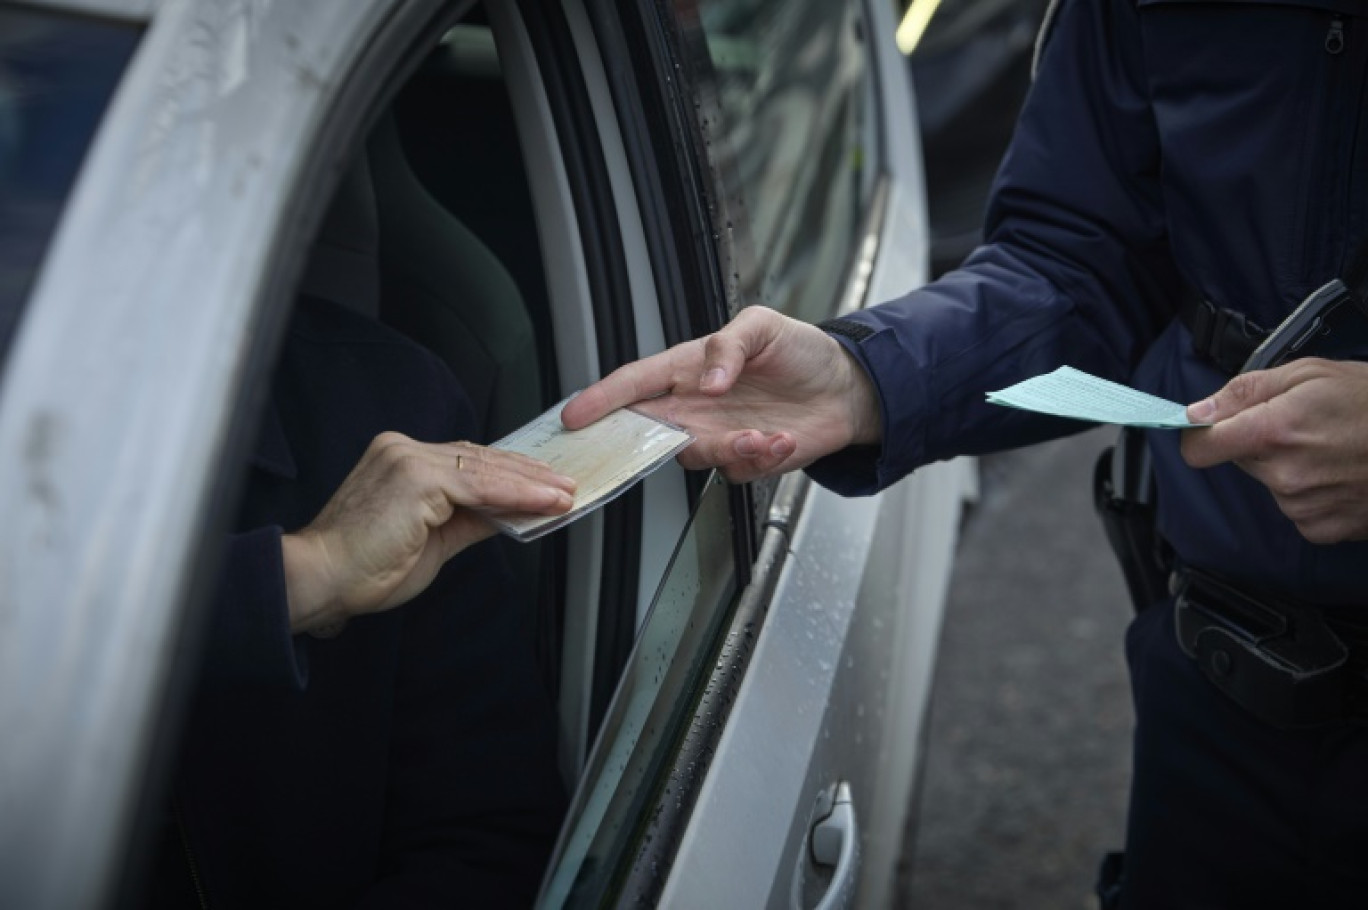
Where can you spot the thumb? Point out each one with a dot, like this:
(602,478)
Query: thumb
(1240,394)
(726,351)
(465,528)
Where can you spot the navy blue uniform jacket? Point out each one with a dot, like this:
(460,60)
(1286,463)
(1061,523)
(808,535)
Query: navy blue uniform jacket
(410,760)
(1166,145)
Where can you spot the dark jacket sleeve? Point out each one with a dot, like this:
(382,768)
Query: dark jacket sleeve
(1075,269)
(249,640)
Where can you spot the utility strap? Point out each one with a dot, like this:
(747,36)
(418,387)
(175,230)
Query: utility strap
(1223,337)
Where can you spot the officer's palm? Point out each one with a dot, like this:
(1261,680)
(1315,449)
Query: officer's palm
(786,395)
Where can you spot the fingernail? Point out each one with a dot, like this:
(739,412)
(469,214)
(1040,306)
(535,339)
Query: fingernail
(565,481)
(745,445)
(713,378)
(781,448)
(1202,411)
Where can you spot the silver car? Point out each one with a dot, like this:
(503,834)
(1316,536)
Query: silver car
(741,673)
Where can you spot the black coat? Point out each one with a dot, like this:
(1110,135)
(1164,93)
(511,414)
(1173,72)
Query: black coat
(410,760)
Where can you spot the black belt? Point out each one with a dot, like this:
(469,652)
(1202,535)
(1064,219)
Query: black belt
(1223,337)
(1292,664)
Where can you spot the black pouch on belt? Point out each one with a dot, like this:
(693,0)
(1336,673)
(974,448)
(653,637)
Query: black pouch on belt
(1275,657)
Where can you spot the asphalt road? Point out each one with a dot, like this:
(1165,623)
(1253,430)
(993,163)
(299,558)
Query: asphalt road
(1029,744)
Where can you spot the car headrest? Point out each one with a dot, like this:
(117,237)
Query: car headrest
(344,262)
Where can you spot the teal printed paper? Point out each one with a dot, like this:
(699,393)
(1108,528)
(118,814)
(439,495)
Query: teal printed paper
(1072,393)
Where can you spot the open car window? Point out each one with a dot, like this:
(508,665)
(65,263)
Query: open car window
(456,245)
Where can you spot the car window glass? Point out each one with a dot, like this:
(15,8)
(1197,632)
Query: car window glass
(57,74)
(788,123)
(652,705)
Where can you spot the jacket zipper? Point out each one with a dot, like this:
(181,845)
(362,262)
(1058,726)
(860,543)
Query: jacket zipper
(1324,163)
(1350,118)
(190,857)
(1334,39)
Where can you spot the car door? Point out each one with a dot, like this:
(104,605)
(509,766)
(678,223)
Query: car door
(773,161)
(842,671)
(696,634)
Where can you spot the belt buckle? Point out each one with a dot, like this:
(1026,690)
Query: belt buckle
(1223,336)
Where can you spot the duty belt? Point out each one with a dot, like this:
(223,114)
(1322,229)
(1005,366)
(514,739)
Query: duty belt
(1291,664)
(1223,337)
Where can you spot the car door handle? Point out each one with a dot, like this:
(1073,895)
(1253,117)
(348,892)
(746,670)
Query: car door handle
(836,842)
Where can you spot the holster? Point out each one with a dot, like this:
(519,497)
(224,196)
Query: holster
(1123,494)
(1276,657)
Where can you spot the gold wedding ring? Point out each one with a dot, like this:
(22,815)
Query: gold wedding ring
(460,462)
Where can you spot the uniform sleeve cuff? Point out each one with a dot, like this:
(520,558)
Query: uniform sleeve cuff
(864,470)
(249,640)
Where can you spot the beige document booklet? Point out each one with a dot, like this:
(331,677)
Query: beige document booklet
(605,460)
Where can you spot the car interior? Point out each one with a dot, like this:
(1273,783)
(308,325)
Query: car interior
(454,263)
(438,229)
(444,226)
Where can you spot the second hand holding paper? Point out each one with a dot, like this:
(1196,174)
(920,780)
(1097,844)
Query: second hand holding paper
(1072,393)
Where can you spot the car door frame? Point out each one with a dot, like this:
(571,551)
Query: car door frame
(748,839)
(699,827)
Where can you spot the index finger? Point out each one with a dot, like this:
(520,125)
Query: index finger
(626,385)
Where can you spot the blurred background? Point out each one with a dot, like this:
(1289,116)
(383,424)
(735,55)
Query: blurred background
(1029,742)
(971,64)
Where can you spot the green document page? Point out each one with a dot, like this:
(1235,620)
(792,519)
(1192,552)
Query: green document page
(1072,393)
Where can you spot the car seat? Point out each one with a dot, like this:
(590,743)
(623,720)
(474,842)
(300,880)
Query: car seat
(388,250)
(344,261)
(440,285)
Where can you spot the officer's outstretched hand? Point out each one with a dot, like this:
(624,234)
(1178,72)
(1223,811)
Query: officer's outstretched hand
(764,395)
(403,511)
(1300,429)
